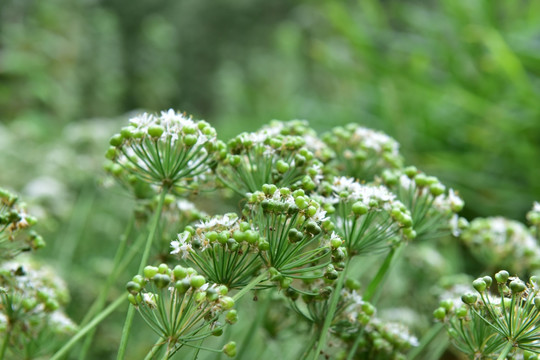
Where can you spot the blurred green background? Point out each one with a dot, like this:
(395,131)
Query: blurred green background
(456,82)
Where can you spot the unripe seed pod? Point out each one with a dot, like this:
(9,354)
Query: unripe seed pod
(285,282)
(190,140)
(197,281)
(461,312)
(116,140)
(282,167)
(352,284)
(263,245)
(133,288)
(479,285)
(313,228)
(439,313)
(150,271)
(517,286)
(368,309)
(359,208)
(437,189)
(132,299)
(182,286)
(179,272)
(217,332)
(223,237)
(447,304)
(488,280)
(410,171)
(469,298)
(226,302)
(229,349)
(251,236)
(162,280)
(163,268)
(155,131)
(502,276)
(138,279)
(239,236)
(231,317)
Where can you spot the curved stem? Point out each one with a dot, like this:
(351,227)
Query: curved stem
(63,351)
(146,254)
(102,297)
(375,284)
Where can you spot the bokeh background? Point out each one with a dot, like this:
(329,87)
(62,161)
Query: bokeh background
(456,82)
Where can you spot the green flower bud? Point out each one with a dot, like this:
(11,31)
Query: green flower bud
(313,228)
(479,285)
(150,271)
(190,140)
(359,208)
(116,140)
(163,269)
(301,202)
(179,272)
(239,236)
(285,282)
(231,317)
(132,299)
(217,332)
(138,279)
(469,298)
(226,302)
(447,304)
(223,237)
(251,236)
(437,189)
(502,276)
(517,286)
(161,280)
(488,280)
(133,288)
(197,281)
(295,236)
(368,309)
(439,313)
(182,286)
(222,290)
(230,349)
(263,245)
(155,131)
(352,284)
(410,171)
(282,167)
(461,312)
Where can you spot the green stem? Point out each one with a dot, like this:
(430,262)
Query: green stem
(5,344)
(155,349)
(146,254)
(356,344)
(63,351)
(250,285)
(375,285)
(331,311)
(102,297)
(505,351)
(426,340)
(309,347)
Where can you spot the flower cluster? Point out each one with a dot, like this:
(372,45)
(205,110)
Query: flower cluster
(223,248)
(181,306)
(497,241)
(298,236)
(362,153)
(169,150)
(433,208)
(368,217)
(14,224)
(495,326)
(374,338)
(269,157)
(31,306)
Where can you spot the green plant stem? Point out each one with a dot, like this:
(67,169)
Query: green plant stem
(426,340)
(331,311)
(309,347)
(355,345)
(97,319)
(505,351)
(146,254)
(5,344)
(374,286)
(155,349)
(256,281)
(102,297)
